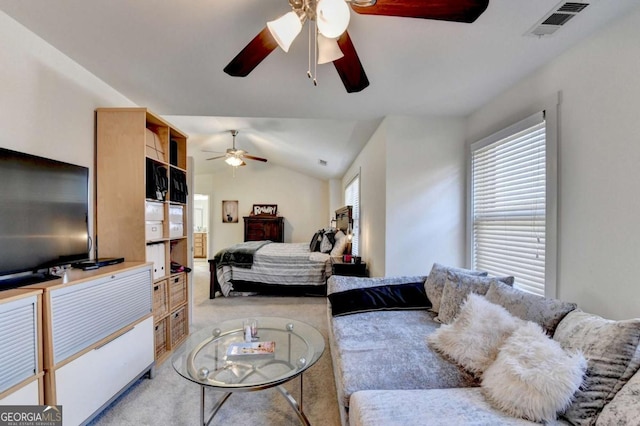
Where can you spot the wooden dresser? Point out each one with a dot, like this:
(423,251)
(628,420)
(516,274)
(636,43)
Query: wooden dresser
(258,228)
(199,244)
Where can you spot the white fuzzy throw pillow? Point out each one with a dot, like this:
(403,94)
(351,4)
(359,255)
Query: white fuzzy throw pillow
(473,338)
(533,377)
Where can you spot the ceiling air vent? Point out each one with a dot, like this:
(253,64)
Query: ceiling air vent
(556,18)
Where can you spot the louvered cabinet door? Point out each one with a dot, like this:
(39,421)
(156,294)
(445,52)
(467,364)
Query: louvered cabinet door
(84,314)
(20,369)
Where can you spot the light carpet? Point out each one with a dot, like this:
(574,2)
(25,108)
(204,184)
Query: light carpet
(170,399)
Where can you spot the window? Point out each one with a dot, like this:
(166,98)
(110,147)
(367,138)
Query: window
(352,198)
(509,184)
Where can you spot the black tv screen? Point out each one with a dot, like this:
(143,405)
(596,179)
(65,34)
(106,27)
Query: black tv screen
(44,208)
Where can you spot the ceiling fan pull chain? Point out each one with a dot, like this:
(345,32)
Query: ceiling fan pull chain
(309,65)
(315,54)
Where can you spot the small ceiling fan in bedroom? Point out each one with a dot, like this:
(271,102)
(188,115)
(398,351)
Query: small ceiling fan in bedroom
(332,41)
(235,157)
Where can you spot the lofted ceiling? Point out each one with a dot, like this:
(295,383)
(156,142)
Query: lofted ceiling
(169,56)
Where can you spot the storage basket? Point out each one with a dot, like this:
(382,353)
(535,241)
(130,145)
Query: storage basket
(179,326)
(160,299)
(178,290)
(161,338)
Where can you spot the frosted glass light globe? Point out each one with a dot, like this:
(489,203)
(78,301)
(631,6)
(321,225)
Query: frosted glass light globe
(332,17)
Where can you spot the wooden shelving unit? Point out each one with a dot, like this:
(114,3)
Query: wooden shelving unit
(141,214)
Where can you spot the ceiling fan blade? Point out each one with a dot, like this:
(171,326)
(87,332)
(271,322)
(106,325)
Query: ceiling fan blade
(252,54)
(215,158)
(251,157)
(443,10)
(349,66)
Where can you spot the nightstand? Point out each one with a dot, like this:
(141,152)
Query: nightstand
(338,267)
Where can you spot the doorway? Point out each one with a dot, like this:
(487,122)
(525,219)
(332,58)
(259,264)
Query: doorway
(200,226)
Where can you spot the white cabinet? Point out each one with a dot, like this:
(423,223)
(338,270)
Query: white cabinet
(21,369)
(85,384)
(98,337)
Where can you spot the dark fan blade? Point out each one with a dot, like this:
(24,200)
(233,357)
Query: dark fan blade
(215,158)
(349,66)
(444,10)
(251,157)
(253,53)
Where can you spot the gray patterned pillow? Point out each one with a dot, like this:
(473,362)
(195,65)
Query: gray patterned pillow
(530,307)
(624,408)
(457,288)
(610,349)
(434,284)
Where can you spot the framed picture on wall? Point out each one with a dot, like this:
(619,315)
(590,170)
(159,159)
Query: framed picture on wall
(230,211)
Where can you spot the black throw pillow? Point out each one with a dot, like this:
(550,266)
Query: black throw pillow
(380,298)
(314,245)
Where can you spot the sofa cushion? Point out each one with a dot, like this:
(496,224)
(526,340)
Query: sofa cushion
(434,284)
(388,350)
(379,298)
(530,307)
(624,408)
(533,377)
(610,348)
(432,407)
(473,338)
(456,289)
(338,283)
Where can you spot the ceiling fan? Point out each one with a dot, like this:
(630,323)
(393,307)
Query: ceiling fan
(235,157)
(332,19)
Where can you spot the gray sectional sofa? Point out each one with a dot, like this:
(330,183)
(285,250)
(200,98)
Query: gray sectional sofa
(388,373)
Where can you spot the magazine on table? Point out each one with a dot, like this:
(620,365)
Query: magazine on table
(247,350)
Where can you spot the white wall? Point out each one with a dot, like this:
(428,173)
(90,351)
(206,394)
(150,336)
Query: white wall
(425,219)
(598,164)
(302,200)
(48,101)
(371,164)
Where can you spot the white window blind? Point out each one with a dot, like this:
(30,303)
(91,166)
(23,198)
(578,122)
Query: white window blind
(509,204)
(352,198)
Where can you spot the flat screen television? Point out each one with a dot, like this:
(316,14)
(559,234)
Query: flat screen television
(44,209)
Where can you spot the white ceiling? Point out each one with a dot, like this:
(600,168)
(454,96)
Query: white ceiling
(169,56)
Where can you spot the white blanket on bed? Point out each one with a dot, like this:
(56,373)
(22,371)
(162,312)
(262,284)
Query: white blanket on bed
(280,264)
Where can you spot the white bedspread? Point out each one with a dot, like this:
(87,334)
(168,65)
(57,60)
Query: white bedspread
(280,264)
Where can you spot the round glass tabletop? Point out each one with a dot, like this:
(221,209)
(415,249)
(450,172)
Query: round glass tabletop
(221,357)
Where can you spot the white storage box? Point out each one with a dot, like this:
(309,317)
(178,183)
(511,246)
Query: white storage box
(176,230)
(175,214)
(155,254)
(154,211)
(153,230)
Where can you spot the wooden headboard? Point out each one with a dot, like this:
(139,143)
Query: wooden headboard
(343,218)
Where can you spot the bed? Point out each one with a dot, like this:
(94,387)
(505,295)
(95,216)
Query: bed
(267,267)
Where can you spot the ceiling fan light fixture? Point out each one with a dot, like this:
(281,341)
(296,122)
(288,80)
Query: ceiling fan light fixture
(285,29)
(332,17)
(328,50)
(234,161)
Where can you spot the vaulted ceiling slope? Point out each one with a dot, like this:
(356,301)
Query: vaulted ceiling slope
(170,55)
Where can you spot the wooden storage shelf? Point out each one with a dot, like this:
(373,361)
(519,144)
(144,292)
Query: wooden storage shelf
(142,159)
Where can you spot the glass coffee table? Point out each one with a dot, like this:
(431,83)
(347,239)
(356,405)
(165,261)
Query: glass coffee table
(203,359)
